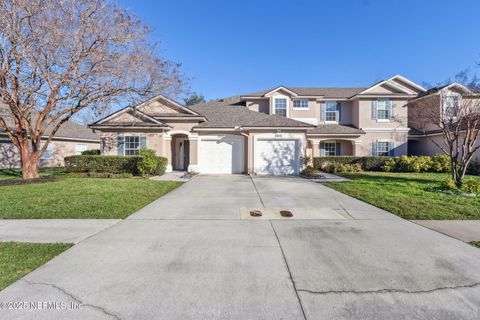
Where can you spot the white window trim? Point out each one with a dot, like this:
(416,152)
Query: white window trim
(337,116)
(274,98)
(389,101)
(384,140)
(125,135)
(297,108)
(329,141)
(51,148)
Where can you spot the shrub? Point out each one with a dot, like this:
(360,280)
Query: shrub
(474,167)
(110,164)
(309,171)
(471,186)
(93,152)
(448,184)
(150,164)
(366,163)
(414,164)
(390,165)
(335,167)
(440,163)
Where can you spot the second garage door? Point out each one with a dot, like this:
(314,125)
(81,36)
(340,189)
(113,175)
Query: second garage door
(277,156)
(221,154)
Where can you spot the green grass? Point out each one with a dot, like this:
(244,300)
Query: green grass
(475,244)
(18,259)
(82,198)
(406,195)
(16,173)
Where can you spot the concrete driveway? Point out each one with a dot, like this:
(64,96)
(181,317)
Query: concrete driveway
(188,255)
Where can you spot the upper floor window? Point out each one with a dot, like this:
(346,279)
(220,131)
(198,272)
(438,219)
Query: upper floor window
(382,109)
(281,106)
(300,104)
(450,106)
(382,148)
(330,111)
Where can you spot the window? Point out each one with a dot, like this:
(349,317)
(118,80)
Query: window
(132,145)
(383,148)
(79,148)
(300,104)
(450,106)
(281,106)
(384,109)
(328,149)
(48,153)
(332,111)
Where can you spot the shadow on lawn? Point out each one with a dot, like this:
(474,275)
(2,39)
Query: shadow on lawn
(393,178)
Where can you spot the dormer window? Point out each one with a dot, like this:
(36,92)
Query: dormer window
(281,107)
(300,104)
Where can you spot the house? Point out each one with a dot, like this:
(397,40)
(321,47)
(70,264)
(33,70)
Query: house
(265,132)
(70,139)
(425,135)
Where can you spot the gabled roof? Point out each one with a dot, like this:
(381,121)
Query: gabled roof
(231,113)
(138,119)
(438,89)
(396,85)
(320,92)
(69,130)
(169,102)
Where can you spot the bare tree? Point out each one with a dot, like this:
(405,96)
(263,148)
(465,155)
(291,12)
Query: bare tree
(455,114)
(59,57)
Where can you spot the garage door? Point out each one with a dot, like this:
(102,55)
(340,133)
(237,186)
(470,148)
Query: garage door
(277,157)
(221,154)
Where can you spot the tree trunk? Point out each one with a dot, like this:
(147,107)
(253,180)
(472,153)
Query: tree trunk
(29,162)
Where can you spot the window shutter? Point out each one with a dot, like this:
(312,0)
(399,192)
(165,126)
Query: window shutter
(323,110)
(391,107)
(120,145)
(374,109)
(339,111)
(143,142)
(337,149)
(391,148)
(374,148)
(322,150)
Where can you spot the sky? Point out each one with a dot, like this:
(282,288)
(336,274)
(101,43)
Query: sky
(238,47)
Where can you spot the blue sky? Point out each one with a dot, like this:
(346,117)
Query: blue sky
(232,47)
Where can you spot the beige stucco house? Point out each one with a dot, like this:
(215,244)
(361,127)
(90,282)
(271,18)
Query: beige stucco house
(425,135)
(265,132)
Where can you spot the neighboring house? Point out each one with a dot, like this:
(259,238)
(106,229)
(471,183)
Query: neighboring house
(70,139)
(425,135)
(265,132)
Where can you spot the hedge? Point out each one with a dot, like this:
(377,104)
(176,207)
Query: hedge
(113,164)
(436,163)
(367,163)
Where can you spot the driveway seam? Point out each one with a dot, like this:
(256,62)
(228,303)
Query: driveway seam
(288,269)
(258,193)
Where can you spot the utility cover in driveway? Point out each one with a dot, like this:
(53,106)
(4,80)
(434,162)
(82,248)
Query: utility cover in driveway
(298,214)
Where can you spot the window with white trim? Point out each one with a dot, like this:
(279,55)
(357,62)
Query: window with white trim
(450,106)
(383,148)
(300,103)
(331,111)
(48,153)
(384,109)
(79,148)
(329,148)
(132,145)
(281,106)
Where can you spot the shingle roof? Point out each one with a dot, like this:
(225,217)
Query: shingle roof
(69,129)
(326,92)
(231,112)
(335,129)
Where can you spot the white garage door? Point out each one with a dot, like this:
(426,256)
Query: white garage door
(221,154)
(277,157)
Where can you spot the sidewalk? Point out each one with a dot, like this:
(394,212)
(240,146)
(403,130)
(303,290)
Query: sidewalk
(465,230)
(52,230)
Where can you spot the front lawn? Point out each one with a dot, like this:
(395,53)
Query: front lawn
(406,195)
(18,259)
(16,173)
(80,198)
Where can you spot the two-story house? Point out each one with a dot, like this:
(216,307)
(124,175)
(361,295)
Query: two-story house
(426,111)
(266,132)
